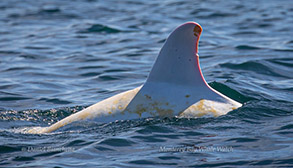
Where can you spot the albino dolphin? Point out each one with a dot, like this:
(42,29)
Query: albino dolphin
(174,87)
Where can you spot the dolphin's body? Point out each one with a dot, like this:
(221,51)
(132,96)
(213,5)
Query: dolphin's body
(174,87)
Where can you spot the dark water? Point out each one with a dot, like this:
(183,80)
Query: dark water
(57,57)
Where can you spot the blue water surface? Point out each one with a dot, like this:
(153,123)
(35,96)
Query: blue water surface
(58,57)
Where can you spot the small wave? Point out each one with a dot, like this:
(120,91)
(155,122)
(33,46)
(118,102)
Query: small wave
(118,70)
(220,14)
(287,62)
(287,127)
(284,50)
(258,110)
(8,52)
(264,25)
(208,14)
(12,98)
(55,101)
(93,67)
(37,47)
(246,47)
(50,10)
(47,13)
(243,139)
(30,56)
(258,67)
(290,42)
(21,68)
(8,149)
(99,28)
(245,33)
(90,74)
(117,142)
(109,77)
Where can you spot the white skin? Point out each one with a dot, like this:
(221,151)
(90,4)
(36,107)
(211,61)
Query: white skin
(168,91)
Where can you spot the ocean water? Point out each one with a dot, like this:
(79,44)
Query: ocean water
(58,57)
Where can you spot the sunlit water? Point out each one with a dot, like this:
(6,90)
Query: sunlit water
(58,57)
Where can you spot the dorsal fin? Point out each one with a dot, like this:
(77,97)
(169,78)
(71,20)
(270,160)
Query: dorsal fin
(175,81)
(177,61)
